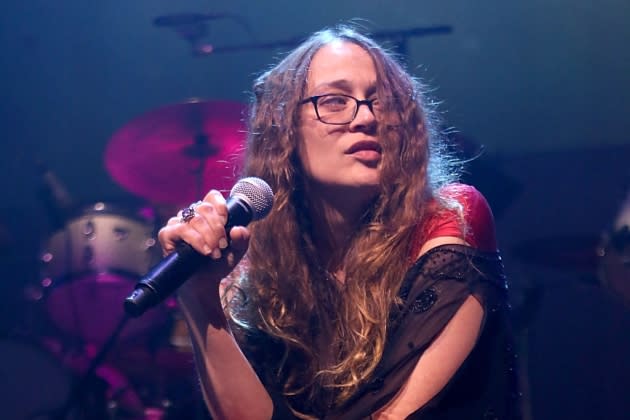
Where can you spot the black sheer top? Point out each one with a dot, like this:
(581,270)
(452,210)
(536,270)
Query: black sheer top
(485,386)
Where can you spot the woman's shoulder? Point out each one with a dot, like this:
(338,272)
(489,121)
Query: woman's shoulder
(465,194)
(474,213)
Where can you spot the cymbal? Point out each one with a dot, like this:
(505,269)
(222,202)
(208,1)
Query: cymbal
(570,252)
(176,153)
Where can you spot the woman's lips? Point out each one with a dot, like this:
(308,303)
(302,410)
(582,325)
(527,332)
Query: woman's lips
(366,150)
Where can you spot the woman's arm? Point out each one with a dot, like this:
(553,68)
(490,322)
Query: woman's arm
(442,358)
(438,363)
(229,384)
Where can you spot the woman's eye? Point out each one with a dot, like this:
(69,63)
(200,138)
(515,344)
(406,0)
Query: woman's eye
(333,101)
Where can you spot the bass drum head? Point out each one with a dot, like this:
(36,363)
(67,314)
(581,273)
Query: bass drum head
(33,384)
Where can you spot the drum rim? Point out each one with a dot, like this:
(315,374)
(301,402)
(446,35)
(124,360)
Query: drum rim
(108,208)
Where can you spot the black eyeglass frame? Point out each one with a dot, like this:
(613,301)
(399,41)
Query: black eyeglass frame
(359,102)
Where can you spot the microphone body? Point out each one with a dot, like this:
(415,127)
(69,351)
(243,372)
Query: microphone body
(250,199)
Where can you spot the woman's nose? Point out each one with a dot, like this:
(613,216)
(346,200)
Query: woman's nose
(364,117)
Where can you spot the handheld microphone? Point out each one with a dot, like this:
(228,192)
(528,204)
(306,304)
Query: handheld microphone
(250,199)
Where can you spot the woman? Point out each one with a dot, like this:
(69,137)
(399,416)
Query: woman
(373,289)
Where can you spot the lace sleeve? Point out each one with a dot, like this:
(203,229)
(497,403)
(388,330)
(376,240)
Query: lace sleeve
(434,289)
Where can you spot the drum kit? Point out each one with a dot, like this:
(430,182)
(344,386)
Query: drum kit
(88,364)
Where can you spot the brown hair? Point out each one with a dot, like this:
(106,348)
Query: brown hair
(332,336)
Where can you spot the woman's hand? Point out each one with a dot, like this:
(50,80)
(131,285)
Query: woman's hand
(205,232)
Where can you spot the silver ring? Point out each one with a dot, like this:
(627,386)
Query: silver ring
(189,212)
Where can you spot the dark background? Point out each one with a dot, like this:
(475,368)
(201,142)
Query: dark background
(542,86)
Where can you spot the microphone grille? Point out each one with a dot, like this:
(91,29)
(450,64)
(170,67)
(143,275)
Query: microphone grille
(257,193)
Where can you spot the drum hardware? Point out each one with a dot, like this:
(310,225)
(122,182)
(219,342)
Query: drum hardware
(161,374)
(77,392)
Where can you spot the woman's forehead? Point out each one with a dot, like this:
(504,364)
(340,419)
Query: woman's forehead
(340,62)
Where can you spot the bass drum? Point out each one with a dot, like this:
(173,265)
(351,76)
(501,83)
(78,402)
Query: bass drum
(33,384)
(92,265)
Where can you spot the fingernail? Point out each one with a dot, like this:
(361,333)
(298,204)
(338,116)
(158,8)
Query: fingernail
(216,253)
(206,249)
(223,243)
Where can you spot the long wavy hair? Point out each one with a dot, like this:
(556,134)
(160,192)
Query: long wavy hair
(323,338)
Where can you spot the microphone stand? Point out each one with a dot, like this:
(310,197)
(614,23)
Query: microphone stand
(79,388)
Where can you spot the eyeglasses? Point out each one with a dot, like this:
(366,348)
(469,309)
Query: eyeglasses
(337,109)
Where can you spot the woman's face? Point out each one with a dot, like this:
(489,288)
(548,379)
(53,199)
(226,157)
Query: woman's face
(338,157)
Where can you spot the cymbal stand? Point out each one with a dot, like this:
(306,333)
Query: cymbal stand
(200,150)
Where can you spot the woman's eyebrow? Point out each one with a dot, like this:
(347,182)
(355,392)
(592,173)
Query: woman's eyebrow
(341,84)
(344,85)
